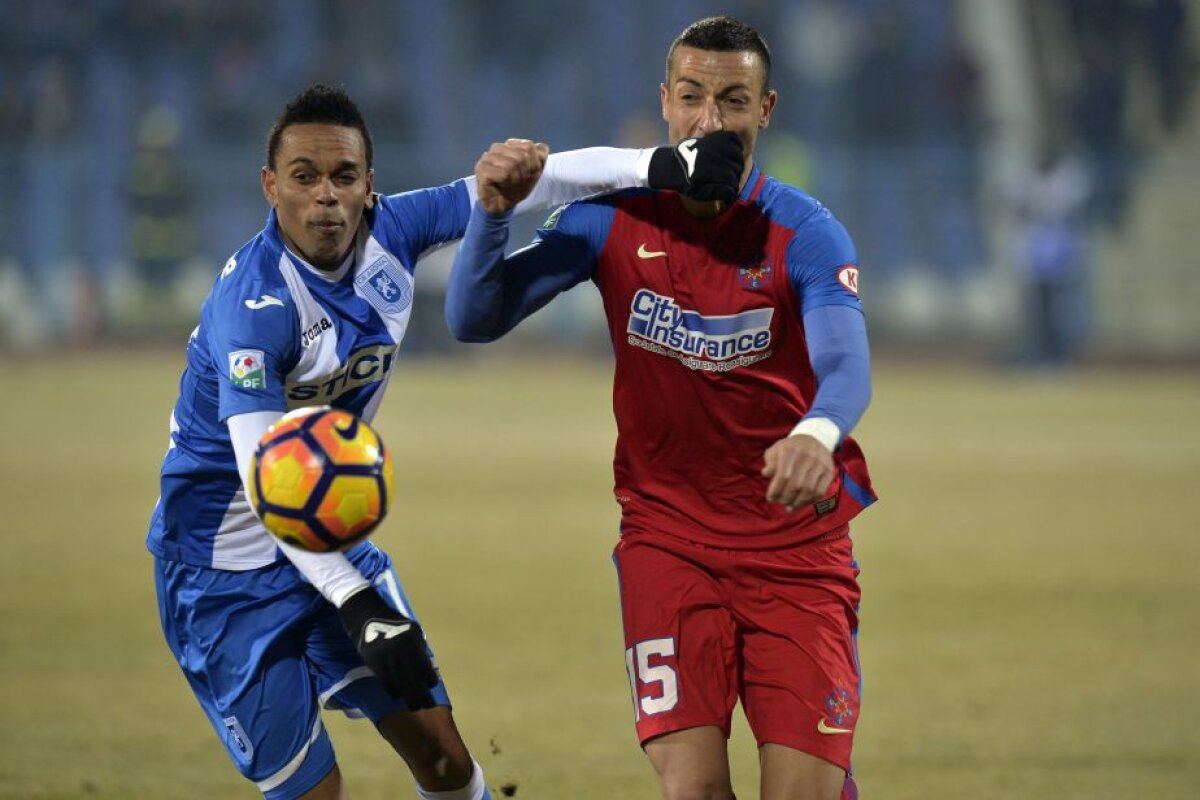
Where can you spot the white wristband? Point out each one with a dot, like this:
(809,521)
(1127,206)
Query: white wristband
(822,429)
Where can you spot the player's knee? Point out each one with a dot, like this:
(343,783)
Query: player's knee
(695,787)
(692,764)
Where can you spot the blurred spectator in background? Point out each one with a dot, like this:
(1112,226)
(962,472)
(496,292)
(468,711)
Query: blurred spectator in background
(952,169)
(162,235)
(13,113)
(1168,53)
(883,112)
(13,121)
(49,170)
(1099,109)
(1051,204)
(1111,37)
(882,127)
(235,82)
(821,39)
(358,47)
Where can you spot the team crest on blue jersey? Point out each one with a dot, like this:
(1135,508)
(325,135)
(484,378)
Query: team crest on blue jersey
(385,286)
(755,274)
(243,748)
(247,369)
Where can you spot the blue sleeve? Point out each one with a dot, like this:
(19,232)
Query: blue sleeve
(822,264)
(488,294)
(840,357)
(413,222)
(252,335)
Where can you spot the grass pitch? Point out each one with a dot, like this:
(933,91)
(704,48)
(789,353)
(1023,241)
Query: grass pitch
(1031,584)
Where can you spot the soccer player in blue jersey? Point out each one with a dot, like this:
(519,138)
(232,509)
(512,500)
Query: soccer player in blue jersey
(311,311)
(741,368)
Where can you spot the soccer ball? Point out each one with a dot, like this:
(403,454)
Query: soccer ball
(321,479)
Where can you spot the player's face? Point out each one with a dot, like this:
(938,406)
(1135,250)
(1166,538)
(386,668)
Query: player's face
(708,91)
(319,188)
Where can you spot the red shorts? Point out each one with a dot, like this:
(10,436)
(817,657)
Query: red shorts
(776,628)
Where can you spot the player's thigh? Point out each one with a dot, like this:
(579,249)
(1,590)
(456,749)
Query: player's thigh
(681,646)
(800,671)
(692,763)
(236,635)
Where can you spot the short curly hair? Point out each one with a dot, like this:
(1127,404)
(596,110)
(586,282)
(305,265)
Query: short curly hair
(321,104)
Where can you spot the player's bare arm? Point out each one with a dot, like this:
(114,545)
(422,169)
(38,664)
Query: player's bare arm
(507,173)
(800,469)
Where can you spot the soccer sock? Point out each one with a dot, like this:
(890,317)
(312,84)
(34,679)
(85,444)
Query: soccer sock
(475,789)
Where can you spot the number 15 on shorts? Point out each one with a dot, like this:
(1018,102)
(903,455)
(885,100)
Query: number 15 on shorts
(643,662)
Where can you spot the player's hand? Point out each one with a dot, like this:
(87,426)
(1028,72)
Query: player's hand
(800,469)
(705,168)
(507,173)
(393,647)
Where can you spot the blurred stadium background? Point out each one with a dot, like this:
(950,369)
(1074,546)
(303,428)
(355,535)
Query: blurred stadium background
(132,132)
(1032,572)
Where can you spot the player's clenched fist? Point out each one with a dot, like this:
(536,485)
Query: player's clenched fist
(800,469)
(507,173)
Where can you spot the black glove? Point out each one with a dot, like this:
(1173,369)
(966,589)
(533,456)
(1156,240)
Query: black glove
(706,168)
(393,647)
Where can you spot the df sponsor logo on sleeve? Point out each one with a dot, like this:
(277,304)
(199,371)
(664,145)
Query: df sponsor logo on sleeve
(247,369)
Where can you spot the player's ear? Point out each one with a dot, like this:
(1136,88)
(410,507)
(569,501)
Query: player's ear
(662,99)
(267,177)
(370,188)
(768,106)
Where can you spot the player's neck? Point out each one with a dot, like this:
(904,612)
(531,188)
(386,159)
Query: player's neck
(332,273)
(702,209)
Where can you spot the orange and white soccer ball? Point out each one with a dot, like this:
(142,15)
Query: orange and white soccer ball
(321,479)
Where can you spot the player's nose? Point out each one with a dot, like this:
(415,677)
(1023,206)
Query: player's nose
(325,192)
(710,119)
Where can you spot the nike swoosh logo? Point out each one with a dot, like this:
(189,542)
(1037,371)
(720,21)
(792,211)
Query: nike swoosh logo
(823,727)
(376,629)
(644,253)
(267,300)
(350,431)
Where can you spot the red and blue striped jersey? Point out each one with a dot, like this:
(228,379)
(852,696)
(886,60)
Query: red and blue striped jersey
(712,364)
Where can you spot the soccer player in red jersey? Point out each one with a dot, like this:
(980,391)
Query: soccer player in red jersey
(741,368)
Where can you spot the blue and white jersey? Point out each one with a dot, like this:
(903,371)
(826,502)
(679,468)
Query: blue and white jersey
(274,335)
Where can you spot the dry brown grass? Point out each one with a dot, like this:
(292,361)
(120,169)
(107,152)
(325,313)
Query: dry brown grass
(1031,580)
